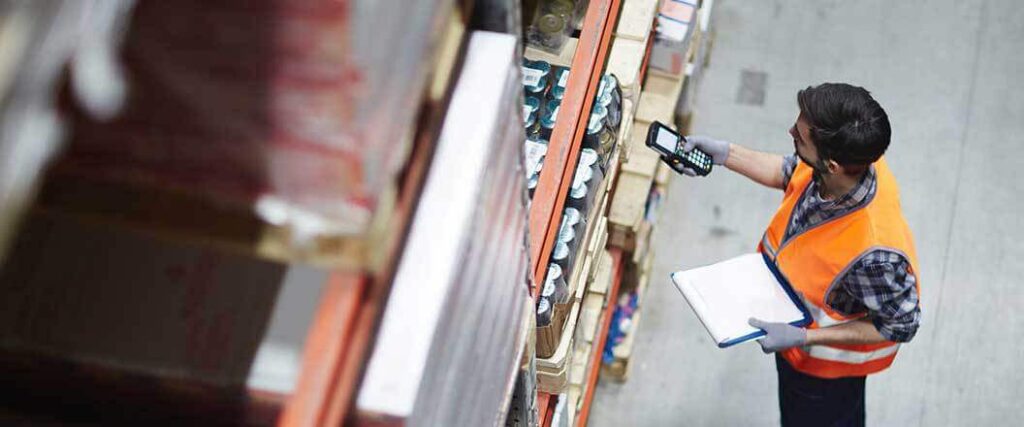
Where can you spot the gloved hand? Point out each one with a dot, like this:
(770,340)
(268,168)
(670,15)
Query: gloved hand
(718,150)
(780,335)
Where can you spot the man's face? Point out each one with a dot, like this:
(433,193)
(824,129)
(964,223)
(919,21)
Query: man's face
(805,149)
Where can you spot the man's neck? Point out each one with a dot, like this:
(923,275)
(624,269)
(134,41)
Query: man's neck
(834,186)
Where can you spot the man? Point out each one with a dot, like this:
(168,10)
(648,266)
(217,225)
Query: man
(842,242)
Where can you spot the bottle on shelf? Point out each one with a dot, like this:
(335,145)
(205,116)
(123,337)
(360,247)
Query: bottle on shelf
(552,25)
(535,77)
(555,288)
(547,123)
(543,312)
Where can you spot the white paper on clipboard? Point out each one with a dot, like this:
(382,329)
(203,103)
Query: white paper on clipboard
(727,294)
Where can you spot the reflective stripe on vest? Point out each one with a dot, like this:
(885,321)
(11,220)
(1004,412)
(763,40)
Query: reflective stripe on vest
(823,320)
(814,259)
(766,245)
(849,356)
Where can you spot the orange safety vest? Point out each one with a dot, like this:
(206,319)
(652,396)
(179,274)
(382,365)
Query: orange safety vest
(814,260)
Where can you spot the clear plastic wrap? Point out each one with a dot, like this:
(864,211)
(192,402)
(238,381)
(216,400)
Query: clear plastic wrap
(38,39)
(303,109)
(552,25)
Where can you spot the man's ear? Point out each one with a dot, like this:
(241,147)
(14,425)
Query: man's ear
(834,167)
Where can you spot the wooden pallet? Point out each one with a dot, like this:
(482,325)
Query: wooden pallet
(179,215)
(643,160)
(628,202)
(562,59)
(580,324)
(636,19)
(658,103)
(636,272)
(622,146)
(602,273)
(553,371)
(624,61)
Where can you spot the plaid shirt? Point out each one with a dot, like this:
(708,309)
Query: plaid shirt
(880,283)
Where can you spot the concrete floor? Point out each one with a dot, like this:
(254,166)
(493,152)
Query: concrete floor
(947,72)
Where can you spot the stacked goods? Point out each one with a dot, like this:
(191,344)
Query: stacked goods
(544,85)
(676,23)
(631,45)
(636,198)
(582,233)
(700,52)
(37,40)
(446,352)
(553,23)
(300,110)
(163,328)
(642,183)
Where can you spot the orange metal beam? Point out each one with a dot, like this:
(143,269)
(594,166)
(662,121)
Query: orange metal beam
(326,345)
(350,372)
(567,136)
(544,412)
(351,366)
(602,337)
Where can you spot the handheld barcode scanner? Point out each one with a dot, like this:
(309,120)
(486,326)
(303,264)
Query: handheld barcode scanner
(669,144)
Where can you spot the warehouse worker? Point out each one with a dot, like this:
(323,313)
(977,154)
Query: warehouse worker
(842,242)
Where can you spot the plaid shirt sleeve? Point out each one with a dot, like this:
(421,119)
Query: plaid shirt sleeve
(882,284)
(788,166)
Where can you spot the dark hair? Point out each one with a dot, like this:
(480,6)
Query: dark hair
(847,124)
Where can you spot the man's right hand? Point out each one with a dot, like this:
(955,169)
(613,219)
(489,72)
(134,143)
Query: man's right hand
(718,150)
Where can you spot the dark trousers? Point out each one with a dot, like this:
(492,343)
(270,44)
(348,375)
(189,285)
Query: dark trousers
(811,401)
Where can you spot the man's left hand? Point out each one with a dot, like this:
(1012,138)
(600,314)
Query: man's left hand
(780,335)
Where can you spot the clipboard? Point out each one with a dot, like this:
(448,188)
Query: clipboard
(725,295)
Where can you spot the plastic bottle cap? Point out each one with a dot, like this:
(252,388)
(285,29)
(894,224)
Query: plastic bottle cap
(566,232)
(561,251)
(588,156)
(572,215)
(578,192)
(551,23)
(562,7)
(532,102)
(594,125)
(610,80)
(543,66)
(554,272)
(583,175)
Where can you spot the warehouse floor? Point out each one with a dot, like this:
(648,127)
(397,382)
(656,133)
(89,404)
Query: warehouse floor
(947,72)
